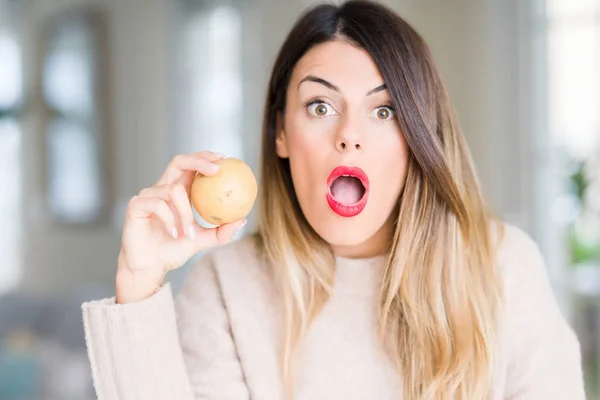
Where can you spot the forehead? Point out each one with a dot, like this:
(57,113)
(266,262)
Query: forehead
(341,63)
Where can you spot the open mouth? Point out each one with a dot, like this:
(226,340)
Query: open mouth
(348,190)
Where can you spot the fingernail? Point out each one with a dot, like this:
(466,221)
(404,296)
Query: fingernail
(174,232)
(213,167)
(219,155)
(191,232)
(241,226)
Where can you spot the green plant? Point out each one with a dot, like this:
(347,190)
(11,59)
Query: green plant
(582,249)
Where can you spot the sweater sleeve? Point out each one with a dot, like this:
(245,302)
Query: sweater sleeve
(544,354)
(134,349)
(159,349)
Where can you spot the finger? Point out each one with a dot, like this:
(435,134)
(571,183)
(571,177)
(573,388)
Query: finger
(186,165)
(208,155)
(142,207)
(184,209)
(177,198)
(162,192)
(220,235)
(226,231)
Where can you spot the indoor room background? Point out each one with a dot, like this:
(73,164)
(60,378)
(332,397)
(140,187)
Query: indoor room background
(96,96)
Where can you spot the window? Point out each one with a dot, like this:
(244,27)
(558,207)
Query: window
(566,104)
(11,98)
(74,128)
(211,84)
(574,117)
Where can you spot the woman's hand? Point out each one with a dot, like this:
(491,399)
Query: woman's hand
(160,233)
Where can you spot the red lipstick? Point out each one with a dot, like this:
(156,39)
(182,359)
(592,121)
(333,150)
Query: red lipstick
(355,186)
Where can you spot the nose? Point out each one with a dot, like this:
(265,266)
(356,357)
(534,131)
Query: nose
(343,145)
(348,139)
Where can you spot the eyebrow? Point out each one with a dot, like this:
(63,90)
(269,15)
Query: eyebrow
(329,85)
(377,89)
(316,79)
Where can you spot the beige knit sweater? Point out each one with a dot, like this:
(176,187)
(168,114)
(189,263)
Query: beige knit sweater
(220,338)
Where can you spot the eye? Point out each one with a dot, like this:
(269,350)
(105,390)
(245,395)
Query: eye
(383,113)
(320,109)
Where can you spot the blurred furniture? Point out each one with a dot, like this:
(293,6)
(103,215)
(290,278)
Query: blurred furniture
(42,346)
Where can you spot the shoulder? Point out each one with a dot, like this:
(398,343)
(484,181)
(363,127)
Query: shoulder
(517,254)
(543,353)
(241,258)
(528,292)
(512,239)
(526,283)
(245,248)
(235,268)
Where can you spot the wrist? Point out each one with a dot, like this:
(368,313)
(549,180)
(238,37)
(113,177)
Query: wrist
(134,286)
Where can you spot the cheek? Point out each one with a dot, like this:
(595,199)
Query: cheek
(300,145)
(305,136)
(306,141)
(304,174)
(391,163)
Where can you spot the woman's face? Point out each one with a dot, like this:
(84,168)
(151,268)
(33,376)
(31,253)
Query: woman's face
(348,157)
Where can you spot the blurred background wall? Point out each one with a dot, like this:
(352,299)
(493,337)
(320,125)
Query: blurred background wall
(96,96)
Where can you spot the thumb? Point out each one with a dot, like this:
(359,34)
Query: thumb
(225,232)
(209,237)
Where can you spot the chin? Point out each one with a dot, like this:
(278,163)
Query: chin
(341,231)
(340,237)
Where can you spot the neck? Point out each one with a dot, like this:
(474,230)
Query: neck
(372,247)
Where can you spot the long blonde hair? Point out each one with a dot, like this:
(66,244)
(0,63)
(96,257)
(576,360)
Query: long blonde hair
(441,295)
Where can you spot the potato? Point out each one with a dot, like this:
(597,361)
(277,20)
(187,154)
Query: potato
(228,195)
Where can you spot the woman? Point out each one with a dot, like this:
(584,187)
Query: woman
(376,273)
